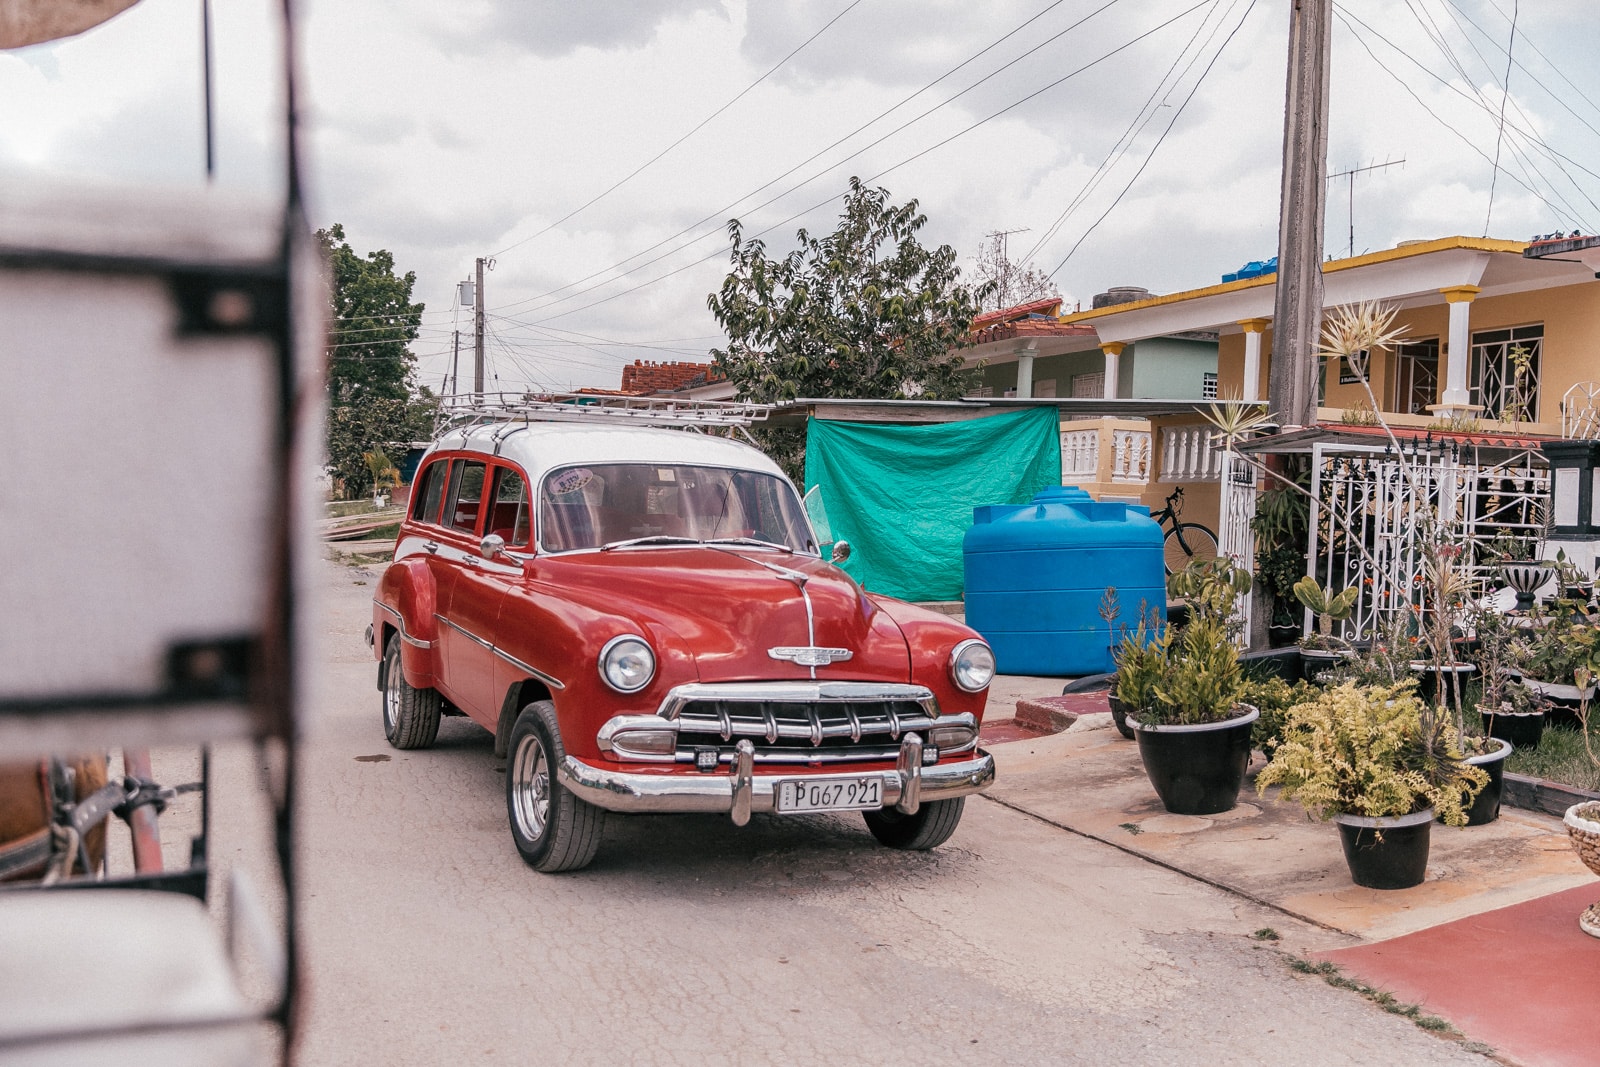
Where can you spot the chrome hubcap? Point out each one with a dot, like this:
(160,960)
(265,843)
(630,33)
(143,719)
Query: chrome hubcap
(530,788)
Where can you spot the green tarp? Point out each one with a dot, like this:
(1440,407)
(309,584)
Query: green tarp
(903,495)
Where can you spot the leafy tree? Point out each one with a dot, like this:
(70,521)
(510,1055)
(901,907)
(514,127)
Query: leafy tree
(864,313)
(374,403)
(1006,283)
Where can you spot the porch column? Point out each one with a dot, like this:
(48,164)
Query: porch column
(1025,354)
(1454,398)
(1113,350)
(1253,328)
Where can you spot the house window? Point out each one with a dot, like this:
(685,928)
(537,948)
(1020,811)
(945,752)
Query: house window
(1044,387)
(1208,386)
(982,390)
(1505,372)
(1090,385)
(1416,376)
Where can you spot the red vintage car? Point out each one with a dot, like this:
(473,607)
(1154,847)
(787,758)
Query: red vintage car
(644,619)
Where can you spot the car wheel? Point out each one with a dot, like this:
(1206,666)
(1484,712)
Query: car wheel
(930,827)
(553,830)
(410,716)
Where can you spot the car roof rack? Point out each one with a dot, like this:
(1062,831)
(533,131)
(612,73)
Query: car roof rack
(459,414)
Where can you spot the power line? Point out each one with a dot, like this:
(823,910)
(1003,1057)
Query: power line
(1157,146)
(721,212)
(887,170)
(1125,142)
(698,127)
(1505,92)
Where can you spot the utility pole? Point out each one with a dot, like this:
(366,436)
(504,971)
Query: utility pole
(455,365)
(477,333)
(1297,315)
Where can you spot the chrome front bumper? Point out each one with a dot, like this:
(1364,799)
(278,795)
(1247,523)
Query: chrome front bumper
(739,791)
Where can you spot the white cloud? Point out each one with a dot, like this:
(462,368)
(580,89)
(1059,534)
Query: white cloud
(444,133)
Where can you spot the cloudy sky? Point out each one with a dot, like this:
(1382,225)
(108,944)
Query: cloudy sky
(596,150)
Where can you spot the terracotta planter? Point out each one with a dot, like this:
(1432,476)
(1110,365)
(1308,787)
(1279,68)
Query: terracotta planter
(1199,769)
(1583,826)
(1386,853)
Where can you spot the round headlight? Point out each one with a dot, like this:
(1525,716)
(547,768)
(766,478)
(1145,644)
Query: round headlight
(972,666)
(627,664)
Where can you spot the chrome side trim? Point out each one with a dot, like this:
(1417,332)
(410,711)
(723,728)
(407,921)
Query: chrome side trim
(400,623)
(795,692)
(550,680)
(632,792)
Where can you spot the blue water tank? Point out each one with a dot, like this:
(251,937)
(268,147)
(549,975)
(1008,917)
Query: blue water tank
(1036,573)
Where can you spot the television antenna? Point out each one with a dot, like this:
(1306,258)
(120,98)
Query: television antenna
(1350,176)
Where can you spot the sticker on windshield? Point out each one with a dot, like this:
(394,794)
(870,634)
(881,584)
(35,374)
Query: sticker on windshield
(571,481)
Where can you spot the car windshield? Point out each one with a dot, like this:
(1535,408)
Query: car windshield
(610,503)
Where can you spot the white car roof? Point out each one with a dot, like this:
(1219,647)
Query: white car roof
(541,447)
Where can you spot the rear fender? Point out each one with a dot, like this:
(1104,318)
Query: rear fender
(406,602)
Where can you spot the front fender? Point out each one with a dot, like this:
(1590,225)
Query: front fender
(406,601)
(931,637)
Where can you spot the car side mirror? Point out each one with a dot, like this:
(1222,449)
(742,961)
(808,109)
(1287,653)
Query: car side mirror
(492,546)
(841,551)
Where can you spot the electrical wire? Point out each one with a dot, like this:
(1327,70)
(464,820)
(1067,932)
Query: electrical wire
(887,170)
(1500,136)
(1142,118)
(721,213)
(1159,140)
(698,127)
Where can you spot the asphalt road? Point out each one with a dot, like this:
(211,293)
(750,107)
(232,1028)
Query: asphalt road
(795,940)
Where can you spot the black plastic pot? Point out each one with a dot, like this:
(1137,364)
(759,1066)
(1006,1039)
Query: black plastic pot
(1119,715)
(1523,729)
(1386,853)
(1486,805)
(1430,681)
(1313,661)
(1197,770)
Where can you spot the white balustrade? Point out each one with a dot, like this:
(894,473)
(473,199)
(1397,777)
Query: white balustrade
(1130,455)
(1580,412)
(1080,455)
(1187,454)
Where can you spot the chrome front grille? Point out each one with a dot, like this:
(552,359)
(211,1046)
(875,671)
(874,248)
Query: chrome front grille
(790,732)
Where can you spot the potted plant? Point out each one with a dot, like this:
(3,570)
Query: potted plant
(1510,712)
(1193,730)
(1381,764)
(1551,654)
(1573,582)
(1141,657)
(1323,649)
(1445,600)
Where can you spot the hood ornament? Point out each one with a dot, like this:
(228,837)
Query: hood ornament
(810,655)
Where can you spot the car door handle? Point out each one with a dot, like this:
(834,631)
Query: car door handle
(430,546)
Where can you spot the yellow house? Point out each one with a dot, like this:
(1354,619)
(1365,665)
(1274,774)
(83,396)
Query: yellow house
(1500,337)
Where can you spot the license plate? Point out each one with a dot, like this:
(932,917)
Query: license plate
(828,794)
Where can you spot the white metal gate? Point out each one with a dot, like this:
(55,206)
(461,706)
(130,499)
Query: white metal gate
(1236,537)
(1371,510)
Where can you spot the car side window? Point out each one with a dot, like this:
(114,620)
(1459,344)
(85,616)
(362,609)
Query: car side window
(509,517)
(429,491)
(466,495)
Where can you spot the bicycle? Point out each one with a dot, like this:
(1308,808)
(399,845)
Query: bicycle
(1186,541)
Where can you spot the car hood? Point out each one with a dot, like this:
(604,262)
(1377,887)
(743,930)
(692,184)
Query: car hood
(729,607)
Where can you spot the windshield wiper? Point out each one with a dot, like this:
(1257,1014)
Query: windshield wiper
(754,541)
(653,539)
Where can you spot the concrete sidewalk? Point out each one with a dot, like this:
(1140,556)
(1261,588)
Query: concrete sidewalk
(1499,900)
